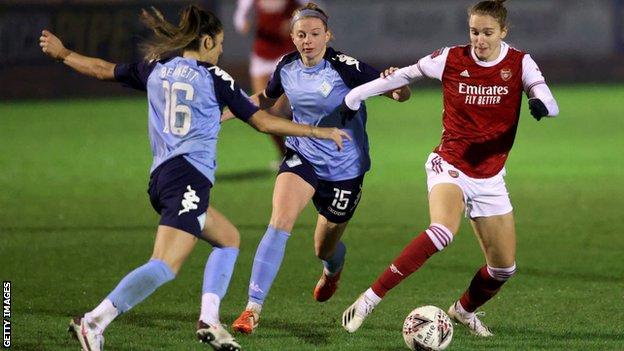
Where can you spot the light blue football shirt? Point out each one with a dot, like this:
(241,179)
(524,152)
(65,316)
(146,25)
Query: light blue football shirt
(314,93)
(185,101)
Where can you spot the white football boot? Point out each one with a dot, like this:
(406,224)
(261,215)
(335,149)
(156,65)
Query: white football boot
(470,320)
(89,336)
(217,337)
(353,317)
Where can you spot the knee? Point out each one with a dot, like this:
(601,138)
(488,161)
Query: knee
(231,239)
(283,221)
(502,274)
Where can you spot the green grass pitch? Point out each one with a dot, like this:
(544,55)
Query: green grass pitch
(75,218)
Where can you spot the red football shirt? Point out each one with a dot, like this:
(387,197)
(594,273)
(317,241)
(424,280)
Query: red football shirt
(481,110)
(273,28)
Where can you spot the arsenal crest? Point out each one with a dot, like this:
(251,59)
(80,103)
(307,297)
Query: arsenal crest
(506,74)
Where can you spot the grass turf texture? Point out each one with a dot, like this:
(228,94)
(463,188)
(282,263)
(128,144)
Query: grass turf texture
(76,218)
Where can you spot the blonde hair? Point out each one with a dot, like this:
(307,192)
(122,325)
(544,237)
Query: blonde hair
(170,40)
(302,13)
(494,8)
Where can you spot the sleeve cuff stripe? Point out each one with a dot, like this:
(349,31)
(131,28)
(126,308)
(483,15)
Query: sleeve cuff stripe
(535,84)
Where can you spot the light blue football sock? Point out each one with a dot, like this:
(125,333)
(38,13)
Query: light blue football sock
(218,271)
(139,284)
(266,263)
(335,263)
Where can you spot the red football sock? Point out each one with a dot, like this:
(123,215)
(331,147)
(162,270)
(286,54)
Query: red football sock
(482,288)
(413,256)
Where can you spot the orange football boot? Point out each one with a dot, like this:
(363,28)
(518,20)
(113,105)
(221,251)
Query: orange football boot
(326,287)
(247,322)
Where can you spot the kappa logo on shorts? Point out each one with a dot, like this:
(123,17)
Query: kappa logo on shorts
(190,201)
(453,173)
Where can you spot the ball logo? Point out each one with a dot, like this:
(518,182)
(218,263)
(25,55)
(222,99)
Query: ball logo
(453,173)
(506,74)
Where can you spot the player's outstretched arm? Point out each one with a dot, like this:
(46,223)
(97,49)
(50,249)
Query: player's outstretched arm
(259,99)
(52,46)
(396,80)
(269,124)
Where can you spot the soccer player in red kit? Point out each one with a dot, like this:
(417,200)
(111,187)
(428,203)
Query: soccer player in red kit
(482,87)
(271,41)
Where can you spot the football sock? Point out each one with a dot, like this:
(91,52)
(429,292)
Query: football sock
(210,309)
(253,306)
(414,255)
(266,263)
(217,275)
(139,284)
(485,284)
(372,297)
(102,315)
(218,270)
(335,263)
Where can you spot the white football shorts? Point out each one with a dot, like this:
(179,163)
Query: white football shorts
(259,66)
(483,197)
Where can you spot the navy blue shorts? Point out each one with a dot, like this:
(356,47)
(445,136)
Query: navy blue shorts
(180,194)
(335,200)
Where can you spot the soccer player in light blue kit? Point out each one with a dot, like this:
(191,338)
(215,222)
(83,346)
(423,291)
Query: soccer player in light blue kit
(186,95)
(315,79)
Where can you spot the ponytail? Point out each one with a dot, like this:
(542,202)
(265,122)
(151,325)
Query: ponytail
(170,40)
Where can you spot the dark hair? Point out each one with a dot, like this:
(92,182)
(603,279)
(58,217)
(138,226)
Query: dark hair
(494,8)
(170,40)
(314,7)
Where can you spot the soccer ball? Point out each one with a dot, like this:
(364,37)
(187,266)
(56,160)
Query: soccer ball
(427,328)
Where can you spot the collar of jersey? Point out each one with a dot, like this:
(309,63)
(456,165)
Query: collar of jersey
(501,56)
(314,68)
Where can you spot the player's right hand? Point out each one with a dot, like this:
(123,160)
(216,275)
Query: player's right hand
(52,46)
(335,134)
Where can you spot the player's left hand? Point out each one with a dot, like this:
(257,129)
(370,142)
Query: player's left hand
(538,109)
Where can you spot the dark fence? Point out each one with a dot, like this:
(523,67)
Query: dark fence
(572,40)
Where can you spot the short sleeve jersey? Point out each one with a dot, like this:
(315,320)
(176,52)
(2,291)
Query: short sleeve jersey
(272,17)
(314,93)
(481,105)
(185,101)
